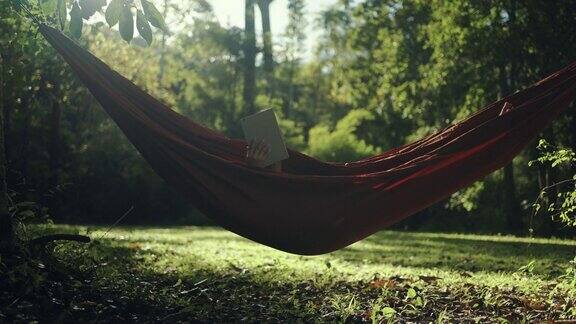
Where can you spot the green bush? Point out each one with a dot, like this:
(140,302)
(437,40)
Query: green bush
(293,134)
(563,206)
(341,143)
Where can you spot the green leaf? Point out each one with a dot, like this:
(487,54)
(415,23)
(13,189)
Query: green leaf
(388,312)
(153,15)
(89,7)
(418,301)
(143,27)
(76,21)
(126,24)
(113,12)
(62,13)
(411,293)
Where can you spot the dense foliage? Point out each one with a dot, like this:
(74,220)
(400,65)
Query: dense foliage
(383,74)
(562,206)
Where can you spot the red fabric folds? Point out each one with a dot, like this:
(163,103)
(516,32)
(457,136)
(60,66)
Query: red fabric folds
(316,207)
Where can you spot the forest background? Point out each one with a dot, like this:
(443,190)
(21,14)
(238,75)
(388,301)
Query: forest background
(381,74)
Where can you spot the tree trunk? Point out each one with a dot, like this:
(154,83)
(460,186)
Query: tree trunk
(249,58)
(549,176)
(7,127)
(573,132)
(507,75)
(510,204)
(7,239)
(162,61)
(54,149)
(288,112)
(264,6)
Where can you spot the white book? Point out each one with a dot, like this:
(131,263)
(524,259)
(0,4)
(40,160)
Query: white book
(263,126)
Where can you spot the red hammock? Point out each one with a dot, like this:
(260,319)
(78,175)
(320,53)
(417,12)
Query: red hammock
(316,207)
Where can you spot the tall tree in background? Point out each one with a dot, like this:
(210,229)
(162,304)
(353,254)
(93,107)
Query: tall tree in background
(9,38)
(162,62)
(264,6)
(507,74)
(295,38)
(249,58)
(54,150)
(6,226)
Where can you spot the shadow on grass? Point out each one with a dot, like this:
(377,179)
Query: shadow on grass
(460,253)
(128,287)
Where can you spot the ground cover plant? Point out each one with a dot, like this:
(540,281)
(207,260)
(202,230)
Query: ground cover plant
(208,274)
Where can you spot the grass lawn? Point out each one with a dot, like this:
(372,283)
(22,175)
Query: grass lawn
(208,274)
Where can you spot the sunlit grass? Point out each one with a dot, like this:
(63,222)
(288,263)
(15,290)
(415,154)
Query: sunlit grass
(359,280)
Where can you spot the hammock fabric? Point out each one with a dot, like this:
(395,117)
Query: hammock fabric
(316,207)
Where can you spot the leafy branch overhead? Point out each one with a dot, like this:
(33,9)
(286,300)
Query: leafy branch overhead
(119,12)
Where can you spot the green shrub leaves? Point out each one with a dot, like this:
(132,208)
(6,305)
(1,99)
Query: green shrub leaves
(153,15)
(126,24)
(113,12)
(76,21)
(89,7)
(117,12)
(143,27)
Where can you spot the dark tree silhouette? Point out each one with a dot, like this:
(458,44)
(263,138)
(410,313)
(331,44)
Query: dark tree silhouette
(264,6)
(6,226)
(249,58)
